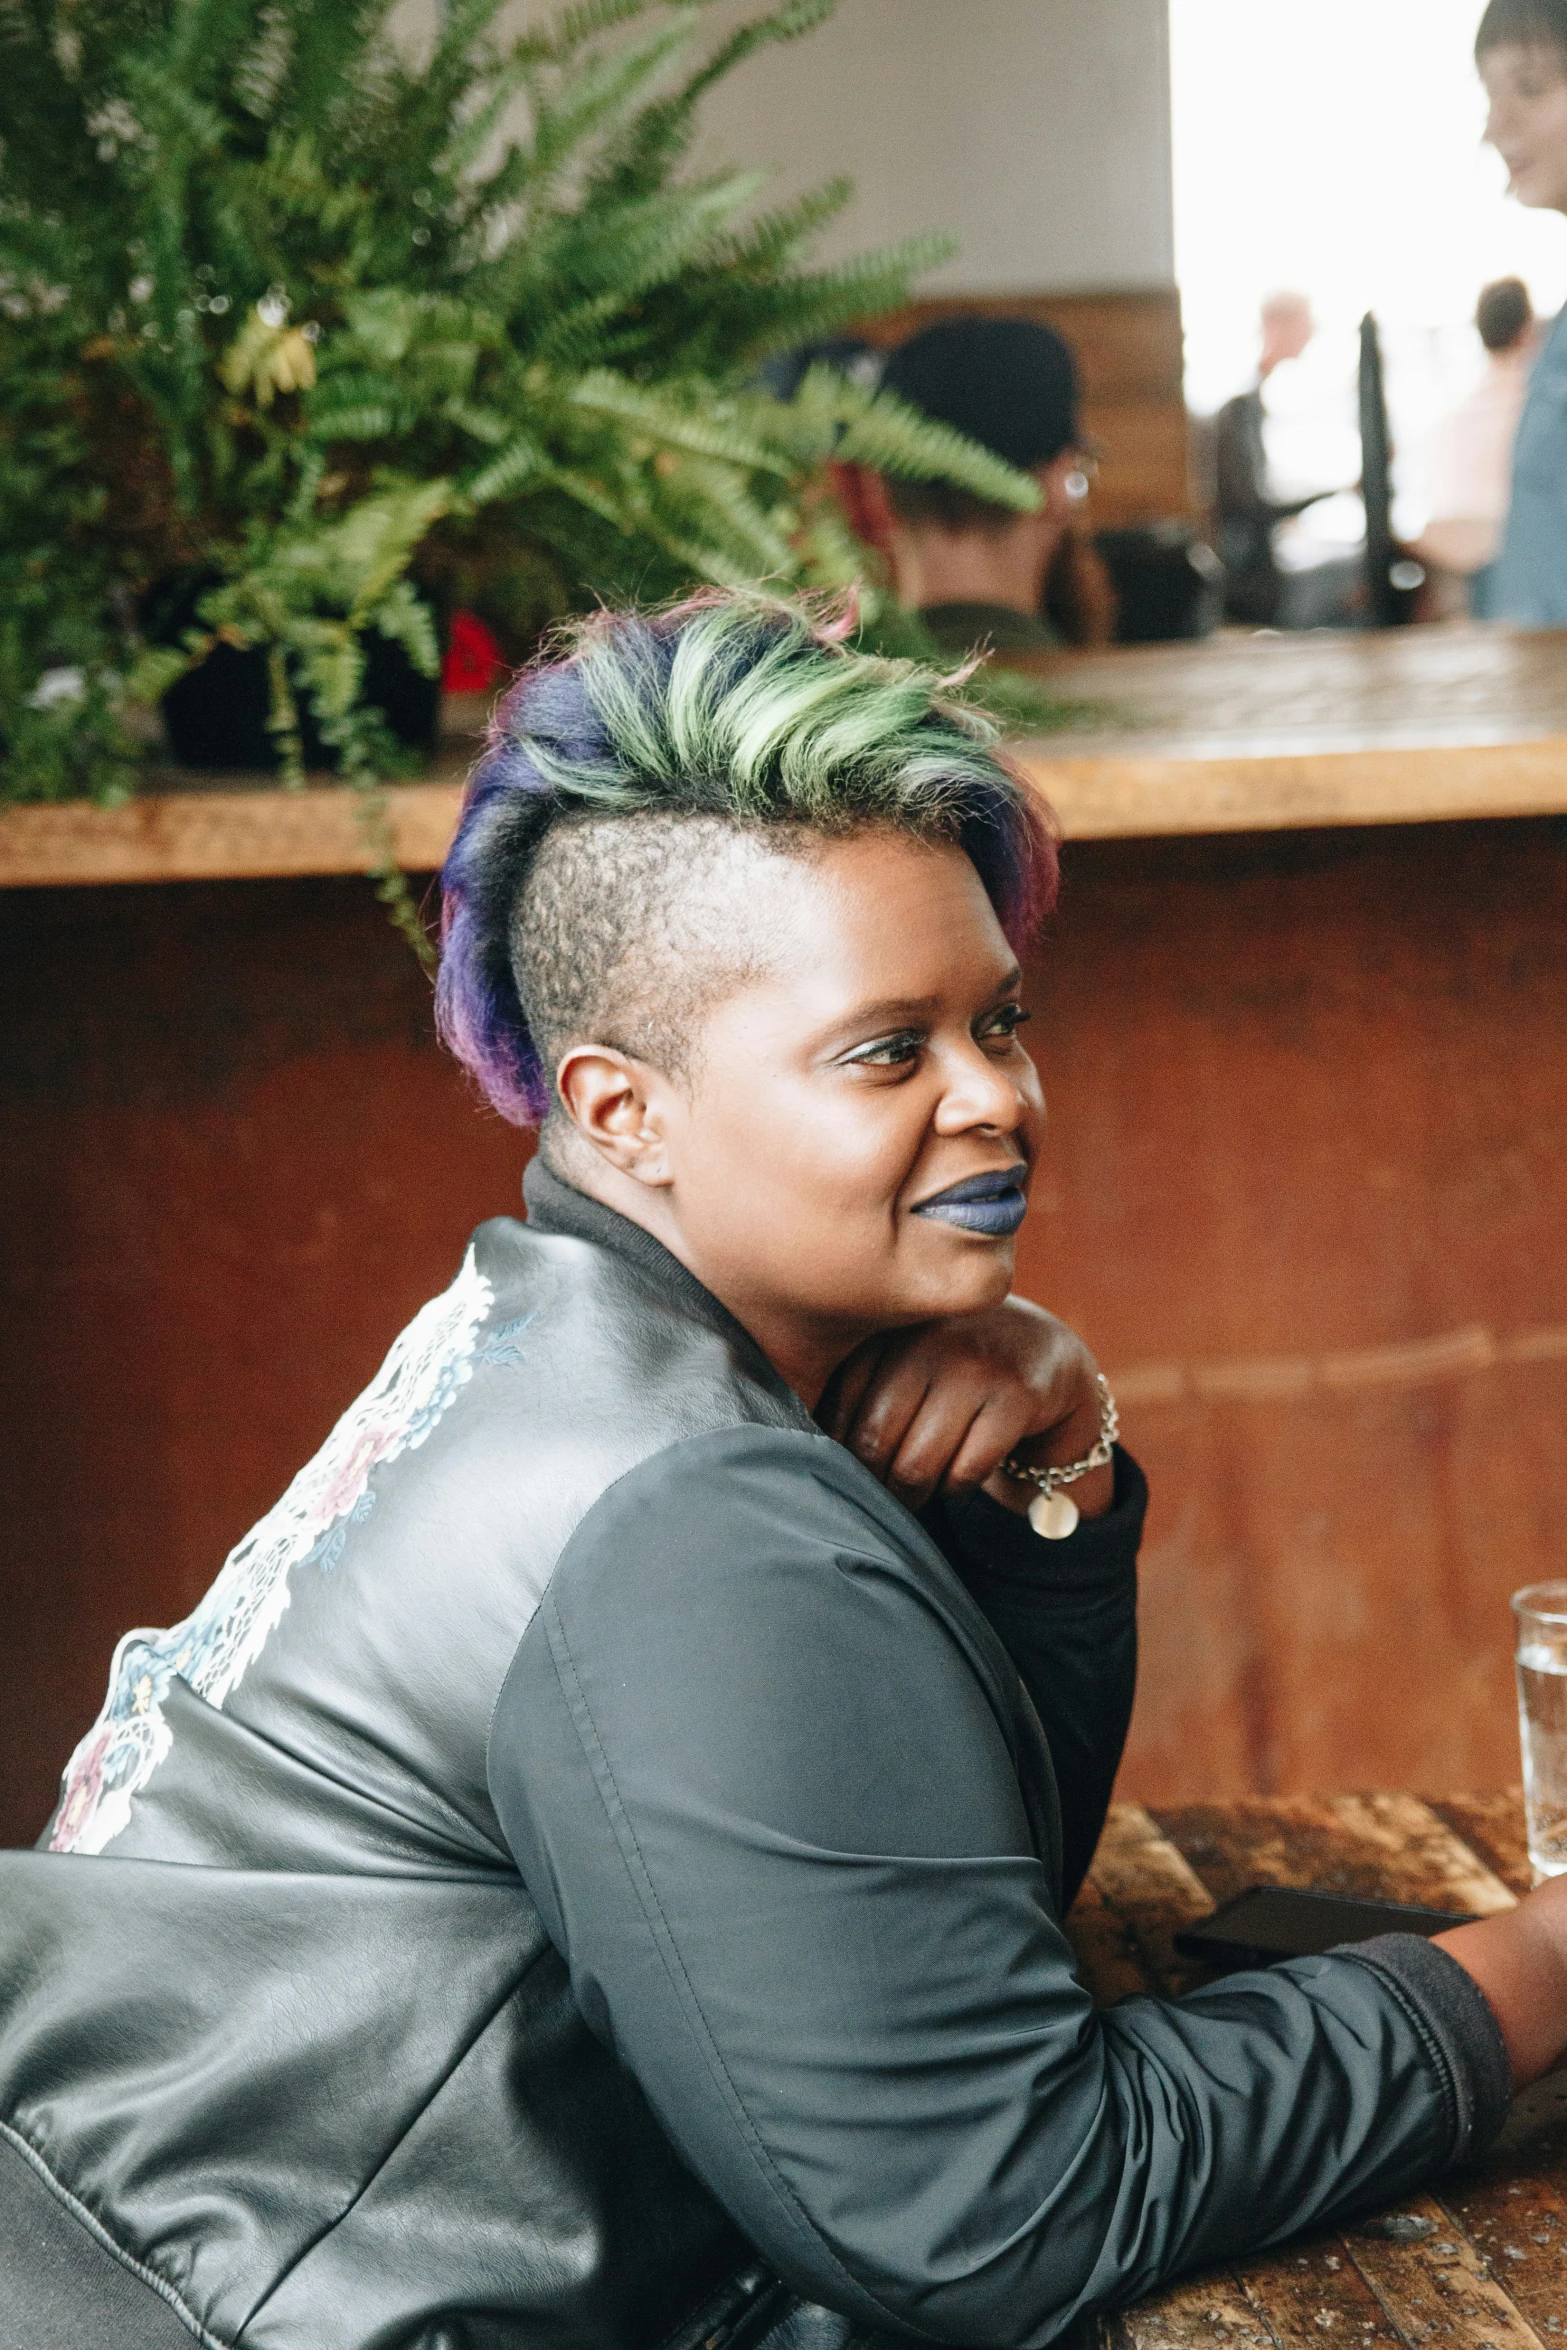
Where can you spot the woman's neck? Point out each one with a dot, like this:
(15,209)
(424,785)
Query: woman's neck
(803,1352)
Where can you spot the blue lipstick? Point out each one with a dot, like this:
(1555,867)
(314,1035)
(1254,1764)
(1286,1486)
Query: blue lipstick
(994,1205)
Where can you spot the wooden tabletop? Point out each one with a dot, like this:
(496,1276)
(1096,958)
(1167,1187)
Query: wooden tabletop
(1247,733)
(1479,2263)
(1238,734)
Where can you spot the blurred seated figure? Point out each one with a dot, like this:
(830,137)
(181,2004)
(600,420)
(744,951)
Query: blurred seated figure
(1471,452)
(974,572)
(1259,589)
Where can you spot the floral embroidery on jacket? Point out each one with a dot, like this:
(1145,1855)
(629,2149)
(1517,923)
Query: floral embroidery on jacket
(212,1649)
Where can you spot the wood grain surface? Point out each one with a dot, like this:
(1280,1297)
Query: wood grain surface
(1263,733)
(1478,2264)
(219,834)
(1240,734)
(1256,696)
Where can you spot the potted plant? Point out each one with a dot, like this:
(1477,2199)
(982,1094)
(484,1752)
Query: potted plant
(306,338)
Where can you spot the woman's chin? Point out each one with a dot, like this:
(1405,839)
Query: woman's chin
(976,1273)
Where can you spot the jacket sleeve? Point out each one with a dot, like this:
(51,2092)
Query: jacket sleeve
(761,1764)
(1066,1613)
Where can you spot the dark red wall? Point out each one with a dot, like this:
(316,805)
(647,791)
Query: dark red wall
(1309,1097)
(235,1163)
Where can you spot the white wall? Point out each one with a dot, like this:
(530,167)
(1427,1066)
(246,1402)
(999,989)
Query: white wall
(1038,131)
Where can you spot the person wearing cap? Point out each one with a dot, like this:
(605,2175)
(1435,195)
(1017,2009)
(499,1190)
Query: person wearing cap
(979,574)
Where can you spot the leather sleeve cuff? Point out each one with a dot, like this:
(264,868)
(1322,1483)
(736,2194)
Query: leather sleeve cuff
(1452,2012)
(983,1538)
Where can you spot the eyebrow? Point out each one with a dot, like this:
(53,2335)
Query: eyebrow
(891,1009)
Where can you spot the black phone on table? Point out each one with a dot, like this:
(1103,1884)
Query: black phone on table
(1270,1922)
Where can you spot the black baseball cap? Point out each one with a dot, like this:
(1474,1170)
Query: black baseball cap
(1006,382)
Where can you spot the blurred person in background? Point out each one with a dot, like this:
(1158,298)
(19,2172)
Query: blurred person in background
(1245,507)
(1521,53)
(979,574)
(1471,452)
(1261,591)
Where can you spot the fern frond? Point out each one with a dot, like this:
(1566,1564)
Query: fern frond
(881,430)
(633,247)
(575,337)
(676,427)
(661,135)
(589,20)
(764,245)
(506,473)
(815,303)
(602,94)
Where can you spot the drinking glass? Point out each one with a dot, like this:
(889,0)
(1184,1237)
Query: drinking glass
(1542,1721)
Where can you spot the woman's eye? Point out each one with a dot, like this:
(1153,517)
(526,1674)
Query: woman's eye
(1004,1022)
(887,1052)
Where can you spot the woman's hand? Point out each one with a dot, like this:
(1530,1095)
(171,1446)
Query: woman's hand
(937,1409)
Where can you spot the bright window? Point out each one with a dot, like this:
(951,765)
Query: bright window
(1336,148)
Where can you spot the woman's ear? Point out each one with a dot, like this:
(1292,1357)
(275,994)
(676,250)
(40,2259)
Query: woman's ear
(608,1097)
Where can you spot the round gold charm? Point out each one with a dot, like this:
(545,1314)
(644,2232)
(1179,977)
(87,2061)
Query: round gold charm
(1053,1515)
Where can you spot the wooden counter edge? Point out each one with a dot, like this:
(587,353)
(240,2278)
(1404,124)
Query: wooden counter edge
(218,835)
(1123,797)
(221,835)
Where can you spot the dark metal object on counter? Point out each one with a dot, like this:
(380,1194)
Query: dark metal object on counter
(1169,583)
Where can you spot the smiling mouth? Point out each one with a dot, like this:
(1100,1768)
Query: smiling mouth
(994,1205)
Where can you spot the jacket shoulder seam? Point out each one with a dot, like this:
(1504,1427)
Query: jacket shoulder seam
(632,1469)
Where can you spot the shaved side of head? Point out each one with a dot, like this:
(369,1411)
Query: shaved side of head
(629,929)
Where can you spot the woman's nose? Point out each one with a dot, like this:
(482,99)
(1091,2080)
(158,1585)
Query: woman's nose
(980,1093)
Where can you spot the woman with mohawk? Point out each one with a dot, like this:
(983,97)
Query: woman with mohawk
(590,1874)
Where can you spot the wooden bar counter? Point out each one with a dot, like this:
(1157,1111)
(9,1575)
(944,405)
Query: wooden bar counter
(1245,734)
(1301,1021)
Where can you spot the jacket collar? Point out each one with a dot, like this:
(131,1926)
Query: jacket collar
(555,1206)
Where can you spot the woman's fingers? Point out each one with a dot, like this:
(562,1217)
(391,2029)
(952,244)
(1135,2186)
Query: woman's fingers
(848,1387)
(965,1426)
(887,1410)
(931,1442)
(994,1433)
(942,1406)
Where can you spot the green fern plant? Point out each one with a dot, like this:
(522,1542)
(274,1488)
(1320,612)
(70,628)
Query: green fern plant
(357,333)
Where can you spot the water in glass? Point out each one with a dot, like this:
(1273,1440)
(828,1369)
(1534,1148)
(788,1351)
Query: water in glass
(1542,1722)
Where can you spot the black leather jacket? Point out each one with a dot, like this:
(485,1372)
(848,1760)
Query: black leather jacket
(589,1875)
